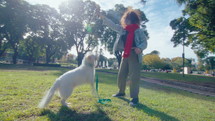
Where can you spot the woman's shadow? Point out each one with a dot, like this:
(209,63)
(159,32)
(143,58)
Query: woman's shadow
(67,114)
(151,112)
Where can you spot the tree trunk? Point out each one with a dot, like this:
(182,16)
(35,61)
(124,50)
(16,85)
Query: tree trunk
(80,58)
(3,48)
(2,51)
(30,59)
(47,56)
(15,56)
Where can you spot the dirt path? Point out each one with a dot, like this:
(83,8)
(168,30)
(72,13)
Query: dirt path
(207,91)
(183,86)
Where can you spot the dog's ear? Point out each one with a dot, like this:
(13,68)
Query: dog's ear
(90,58)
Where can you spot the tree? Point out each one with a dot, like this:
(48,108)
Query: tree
(102,59)
(4,44)
(177,63)
(13,23)
(111,61)
(167,63)
(210,61)
(31,49)
(155,52)
(81,25)
(49,32)
(200,64)
(153,61)
(182,29)
(196,27)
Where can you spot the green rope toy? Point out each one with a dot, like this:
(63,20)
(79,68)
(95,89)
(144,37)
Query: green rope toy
(102,101)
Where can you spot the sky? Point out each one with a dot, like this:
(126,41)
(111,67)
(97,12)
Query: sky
(159,14)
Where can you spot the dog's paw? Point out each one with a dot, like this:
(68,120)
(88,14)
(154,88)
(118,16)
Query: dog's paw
(65,104)
(68,103)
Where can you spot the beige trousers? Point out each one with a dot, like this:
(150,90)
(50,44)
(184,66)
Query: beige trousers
(129,67)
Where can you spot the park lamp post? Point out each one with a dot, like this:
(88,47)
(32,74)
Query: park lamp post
(183,56)
(209,62)
(213,67)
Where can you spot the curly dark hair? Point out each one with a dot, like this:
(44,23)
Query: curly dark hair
(132,15)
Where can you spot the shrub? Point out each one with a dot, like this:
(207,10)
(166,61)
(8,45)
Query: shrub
(47,65)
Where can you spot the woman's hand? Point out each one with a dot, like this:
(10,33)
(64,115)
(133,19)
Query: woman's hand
(138,50)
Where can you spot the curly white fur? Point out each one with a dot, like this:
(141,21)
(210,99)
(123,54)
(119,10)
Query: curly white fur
(69,80)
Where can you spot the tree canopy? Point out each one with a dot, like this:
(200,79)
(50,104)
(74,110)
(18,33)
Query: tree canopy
(13,21)
(31,30)
(81,25)
(196,27)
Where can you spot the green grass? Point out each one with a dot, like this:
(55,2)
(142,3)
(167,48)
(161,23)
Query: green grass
(22,87)
(194,79)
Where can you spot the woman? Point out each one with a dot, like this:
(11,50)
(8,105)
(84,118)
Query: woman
(132,41)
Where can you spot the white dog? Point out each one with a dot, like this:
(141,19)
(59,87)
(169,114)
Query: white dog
(69,80)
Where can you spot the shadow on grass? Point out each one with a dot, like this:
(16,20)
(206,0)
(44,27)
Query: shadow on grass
(151,112)
(67,114)
(111,80)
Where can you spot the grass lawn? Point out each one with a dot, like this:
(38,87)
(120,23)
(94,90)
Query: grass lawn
(22,87)
(193,79)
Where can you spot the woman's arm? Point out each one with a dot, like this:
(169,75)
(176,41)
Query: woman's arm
(142,42)
(111,24)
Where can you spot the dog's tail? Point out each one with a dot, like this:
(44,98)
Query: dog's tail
(47,98)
